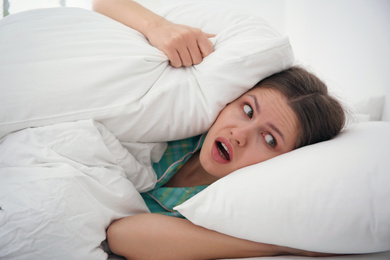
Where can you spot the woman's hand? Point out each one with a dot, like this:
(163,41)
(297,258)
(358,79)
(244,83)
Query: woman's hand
(184,45)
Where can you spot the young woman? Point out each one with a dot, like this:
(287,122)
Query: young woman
(285,111)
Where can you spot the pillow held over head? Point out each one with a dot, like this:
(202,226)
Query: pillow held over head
(68,64)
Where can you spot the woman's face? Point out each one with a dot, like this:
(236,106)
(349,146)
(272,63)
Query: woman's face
(255,127)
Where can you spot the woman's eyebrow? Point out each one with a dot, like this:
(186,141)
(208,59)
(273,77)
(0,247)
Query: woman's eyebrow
(256,103)
(272,126)
(277,131)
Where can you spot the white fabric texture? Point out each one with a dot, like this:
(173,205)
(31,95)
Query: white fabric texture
(62,185)
(368,109)
(69,64)
(327,197)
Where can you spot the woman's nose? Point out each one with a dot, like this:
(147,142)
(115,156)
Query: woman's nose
(241,134)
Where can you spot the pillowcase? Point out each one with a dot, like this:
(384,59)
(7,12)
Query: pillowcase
(328,197)
(368,109)
(68,64)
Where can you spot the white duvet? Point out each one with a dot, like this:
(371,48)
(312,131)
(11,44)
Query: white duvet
(62,185)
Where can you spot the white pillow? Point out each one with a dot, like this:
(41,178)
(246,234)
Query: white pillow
(368,108)
(328,197)
(68,64)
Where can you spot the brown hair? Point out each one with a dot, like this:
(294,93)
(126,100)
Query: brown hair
(321,116)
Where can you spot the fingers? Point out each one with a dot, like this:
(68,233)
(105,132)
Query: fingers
(186,56)
(192,48)
(189,47)
(179,55)
(195,53)
(184,45)
(205,45)
(174,58)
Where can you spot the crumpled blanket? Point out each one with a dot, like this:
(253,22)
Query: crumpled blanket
(62,185)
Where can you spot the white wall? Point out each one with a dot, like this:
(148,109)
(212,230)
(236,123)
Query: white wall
(17,6)
(346,42)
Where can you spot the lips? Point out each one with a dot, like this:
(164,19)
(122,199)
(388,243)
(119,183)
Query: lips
(222,151)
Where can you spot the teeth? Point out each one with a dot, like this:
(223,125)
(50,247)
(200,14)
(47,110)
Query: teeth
(224,147)
(223,151)
(220,152)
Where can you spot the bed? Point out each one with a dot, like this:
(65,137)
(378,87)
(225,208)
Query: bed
(75,151)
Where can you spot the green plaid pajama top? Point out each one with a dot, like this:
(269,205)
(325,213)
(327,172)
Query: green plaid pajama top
(163,199)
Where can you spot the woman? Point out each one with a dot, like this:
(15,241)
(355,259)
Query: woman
(285,111)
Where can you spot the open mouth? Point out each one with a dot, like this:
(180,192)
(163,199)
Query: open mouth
(223,151)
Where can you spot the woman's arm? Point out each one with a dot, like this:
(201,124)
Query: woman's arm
(183,45)
(153,236)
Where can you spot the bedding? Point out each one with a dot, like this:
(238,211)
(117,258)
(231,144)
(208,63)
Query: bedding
(368,109)
(65,180)
(62,185)
(69,64)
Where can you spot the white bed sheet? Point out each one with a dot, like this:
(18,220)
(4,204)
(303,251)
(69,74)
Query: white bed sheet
(382,255)
(376,256)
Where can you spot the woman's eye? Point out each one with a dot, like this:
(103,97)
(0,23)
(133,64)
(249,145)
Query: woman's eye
(248,110)
(270,140)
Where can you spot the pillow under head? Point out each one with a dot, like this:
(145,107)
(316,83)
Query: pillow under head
(330,197)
